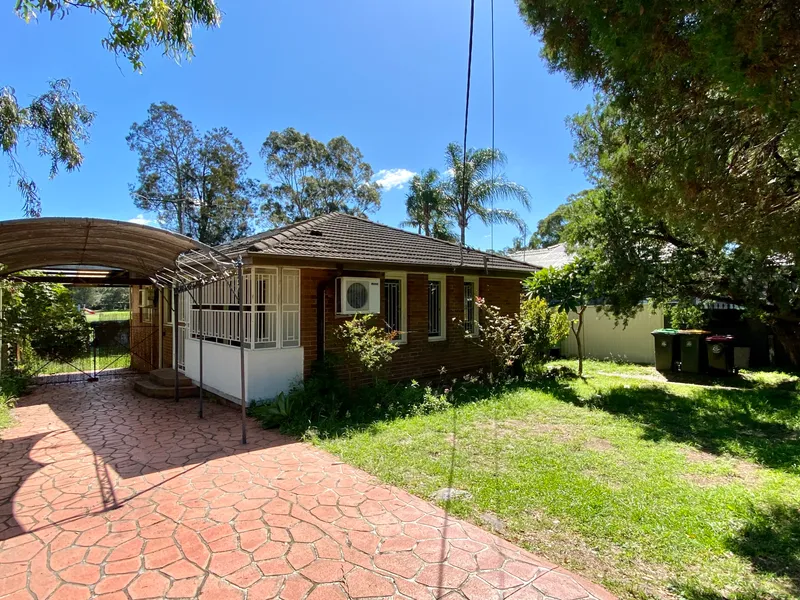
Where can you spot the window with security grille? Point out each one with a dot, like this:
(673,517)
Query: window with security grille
(470,326)
(393,305)
(435,309)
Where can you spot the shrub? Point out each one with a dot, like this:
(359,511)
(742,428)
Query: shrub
(367,345)
(686,315)
(501,335)
(274,413)
(43,317)
(542,328)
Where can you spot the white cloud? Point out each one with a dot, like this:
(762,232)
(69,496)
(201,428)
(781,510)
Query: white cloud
(390,179)
(140,219)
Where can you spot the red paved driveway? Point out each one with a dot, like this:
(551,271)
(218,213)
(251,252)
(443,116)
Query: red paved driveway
(107,494)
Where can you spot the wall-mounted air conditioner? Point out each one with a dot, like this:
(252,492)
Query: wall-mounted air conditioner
(358,295)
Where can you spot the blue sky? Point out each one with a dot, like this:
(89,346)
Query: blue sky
(388,76)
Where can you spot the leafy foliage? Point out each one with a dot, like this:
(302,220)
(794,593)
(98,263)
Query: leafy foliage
(548,233)
(274,413)
(44,317)
(684,314)
(105,298)
(367,345)
(195,182)
(571,287)
(309,178)
(501,335)
(425,206)
(700,110)
(56,122)
(638,257)
(473,185)
(542,329)
(134,27)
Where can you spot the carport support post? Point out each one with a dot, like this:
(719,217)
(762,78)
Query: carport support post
(240,270)
(175,340)
(200,338)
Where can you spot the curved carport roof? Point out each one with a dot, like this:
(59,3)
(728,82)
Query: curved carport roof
(165,257)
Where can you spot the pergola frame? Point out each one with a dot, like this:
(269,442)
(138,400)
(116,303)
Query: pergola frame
(172,262)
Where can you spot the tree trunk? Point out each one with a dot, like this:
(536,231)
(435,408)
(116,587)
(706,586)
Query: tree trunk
(578,341)
(788,334)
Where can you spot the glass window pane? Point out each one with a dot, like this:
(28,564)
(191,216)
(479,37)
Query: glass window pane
(434,308)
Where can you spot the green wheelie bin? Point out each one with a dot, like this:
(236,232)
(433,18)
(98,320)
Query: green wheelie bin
(666,348)
(693,358)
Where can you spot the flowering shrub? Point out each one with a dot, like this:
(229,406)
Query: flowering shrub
(501,335)
(367,345)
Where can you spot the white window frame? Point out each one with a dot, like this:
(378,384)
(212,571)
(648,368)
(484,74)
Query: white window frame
(146,293)
(402,337)
(266,345)
(474,281)
(281,309)
(442,305)
(166,307)
(289,308)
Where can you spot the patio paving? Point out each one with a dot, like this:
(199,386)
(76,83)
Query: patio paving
(108,494)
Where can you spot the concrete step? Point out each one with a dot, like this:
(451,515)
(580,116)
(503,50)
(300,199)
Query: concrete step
(166,377)
(155,390)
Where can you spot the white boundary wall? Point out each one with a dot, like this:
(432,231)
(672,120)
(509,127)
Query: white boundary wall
(603,339)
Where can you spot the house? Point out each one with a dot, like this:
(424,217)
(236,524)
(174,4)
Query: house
(303,280)
(553,256)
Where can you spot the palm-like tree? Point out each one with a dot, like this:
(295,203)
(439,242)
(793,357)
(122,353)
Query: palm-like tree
(425,206)
(485,182)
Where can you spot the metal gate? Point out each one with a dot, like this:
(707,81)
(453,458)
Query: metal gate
(116,349)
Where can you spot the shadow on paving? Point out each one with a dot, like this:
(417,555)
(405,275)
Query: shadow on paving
(107,425)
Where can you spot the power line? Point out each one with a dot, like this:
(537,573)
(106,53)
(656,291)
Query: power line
(465,191)
(491,223)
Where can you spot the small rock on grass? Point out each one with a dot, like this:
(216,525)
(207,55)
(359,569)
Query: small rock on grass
(447,494)
(493,522)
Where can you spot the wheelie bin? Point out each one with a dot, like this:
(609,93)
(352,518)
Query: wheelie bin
(666,348)
(691,347)
(720,353)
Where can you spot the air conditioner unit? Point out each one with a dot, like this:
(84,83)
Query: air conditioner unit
(358,295)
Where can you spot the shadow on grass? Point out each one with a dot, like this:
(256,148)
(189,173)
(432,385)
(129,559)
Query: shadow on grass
(744,423)
(741,381)
(771,543)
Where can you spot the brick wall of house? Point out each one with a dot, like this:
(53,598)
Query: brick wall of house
(144,336)
(418,358)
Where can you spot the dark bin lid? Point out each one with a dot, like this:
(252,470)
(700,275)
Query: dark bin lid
(719,338)
(665,332)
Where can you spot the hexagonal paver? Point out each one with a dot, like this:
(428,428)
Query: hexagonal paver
(135,498)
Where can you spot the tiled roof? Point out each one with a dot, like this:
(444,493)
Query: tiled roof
(553,256)
(345,238)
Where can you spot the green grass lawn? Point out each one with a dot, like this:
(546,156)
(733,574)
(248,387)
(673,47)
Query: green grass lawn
(5,413)
(109,315)
(85,363)
(650,488)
